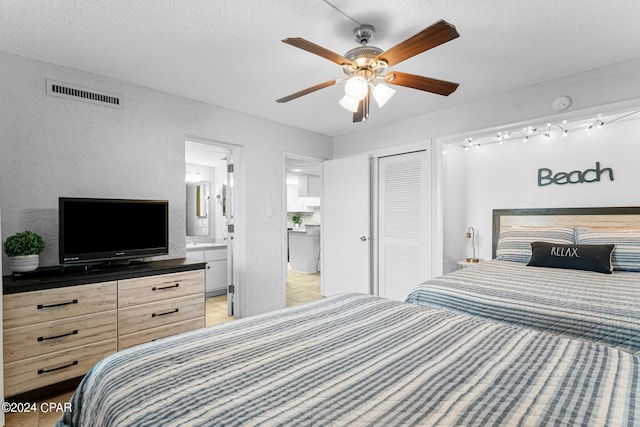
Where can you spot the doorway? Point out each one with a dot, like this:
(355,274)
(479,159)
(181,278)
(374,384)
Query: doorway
(209,215)
(303,188)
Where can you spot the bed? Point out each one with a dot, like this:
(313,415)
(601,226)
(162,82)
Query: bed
(589,305)
(361,360)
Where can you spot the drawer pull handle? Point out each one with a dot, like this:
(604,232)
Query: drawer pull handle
(44,371)
(177,285)
(165,313)
(74,332)
(41,306)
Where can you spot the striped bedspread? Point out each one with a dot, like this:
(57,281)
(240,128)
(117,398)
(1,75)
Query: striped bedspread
(598,307)
(356,360)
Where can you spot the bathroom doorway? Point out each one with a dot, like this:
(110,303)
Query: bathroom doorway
(303,189)
(209,217)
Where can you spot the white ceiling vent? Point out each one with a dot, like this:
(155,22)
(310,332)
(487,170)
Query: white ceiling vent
(66,90)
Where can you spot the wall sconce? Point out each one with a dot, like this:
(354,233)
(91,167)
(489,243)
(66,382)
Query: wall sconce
(471,234)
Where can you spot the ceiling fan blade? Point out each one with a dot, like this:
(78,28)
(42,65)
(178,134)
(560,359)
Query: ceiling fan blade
(427,84)
(363,109)
(307,91)
(317,50)
(435,35)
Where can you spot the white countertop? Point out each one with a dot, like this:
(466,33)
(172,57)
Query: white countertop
(200,246)
(308,229)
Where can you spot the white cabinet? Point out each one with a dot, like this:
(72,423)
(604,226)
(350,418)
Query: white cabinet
(297,203)
(309,186)
(294,203)
(216,269)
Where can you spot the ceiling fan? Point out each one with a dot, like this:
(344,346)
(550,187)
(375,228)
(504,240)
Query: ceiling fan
(365,67)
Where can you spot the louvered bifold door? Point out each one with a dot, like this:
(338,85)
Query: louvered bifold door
(403,216)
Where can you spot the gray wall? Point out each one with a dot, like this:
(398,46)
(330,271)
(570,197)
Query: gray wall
(52,147)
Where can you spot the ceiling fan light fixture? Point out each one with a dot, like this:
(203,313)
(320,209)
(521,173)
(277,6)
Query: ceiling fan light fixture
(356,88)
(382,93)
(349,103)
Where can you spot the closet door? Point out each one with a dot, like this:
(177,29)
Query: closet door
(404,257)
(346,209)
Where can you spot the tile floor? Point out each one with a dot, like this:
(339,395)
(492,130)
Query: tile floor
(301,288)
(40,417)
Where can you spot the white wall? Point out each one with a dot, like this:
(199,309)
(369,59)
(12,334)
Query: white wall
(52,147)
(454,196)
(506,176)
(612,88)
(595,88)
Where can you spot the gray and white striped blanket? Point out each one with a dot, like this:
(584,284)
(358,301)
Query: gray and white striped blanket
(602,308)
(357,360)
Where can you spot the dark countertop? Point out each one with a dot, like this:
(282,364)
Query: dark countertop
(59,276)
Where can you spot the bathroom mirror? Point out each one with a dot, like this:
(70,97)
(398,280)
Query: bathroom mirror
(198,199)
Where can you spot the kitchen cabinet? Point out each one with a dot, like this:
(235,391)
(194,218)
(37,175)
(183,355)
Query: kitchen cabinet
(308,186)
(296,203)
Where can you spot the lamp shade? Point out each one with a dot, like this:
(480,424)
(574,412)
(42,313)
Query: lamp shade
(350,103)
(382,93)
(356,88)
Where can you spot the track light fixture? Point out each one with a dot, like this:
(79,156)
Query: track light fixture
(526,133)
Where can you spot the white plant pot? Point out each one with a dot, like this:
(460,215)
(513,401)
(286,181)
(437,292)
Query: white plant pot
(22,264)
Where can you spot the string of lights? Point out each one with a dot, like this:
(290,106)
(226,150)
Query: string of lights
(527,133)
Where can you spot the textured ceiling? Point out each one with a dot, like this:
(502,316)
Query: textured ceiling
(228,52)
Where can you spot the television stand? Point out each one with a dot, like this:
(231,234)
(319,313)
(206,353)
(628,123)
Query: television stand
(108,310)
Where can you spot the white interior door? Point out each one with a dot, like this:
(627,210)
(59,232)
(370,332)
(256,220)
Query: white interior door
(346,226)
(404,257)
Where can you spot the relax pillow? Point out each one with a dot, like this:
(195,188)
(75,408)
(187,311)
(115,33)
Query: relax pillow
(577,257)
(514,244)
(626,255)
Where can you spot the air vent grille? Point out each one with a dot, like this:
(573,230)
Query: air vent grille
(68,91)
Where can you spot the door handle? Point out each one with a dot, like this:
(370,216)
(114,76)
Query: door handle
(363,238)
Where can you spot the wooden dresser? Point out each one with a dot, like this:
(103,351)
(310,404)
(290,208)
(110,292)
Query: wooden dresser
(158,306)
(56,326)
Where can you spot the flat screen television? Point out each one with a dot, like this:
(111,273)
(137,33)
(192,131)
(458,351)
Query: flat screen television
(96,230)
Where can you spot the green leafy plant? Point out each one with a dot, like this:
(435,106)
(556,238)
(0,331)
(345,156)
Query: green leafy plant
(23,243)
(296,219)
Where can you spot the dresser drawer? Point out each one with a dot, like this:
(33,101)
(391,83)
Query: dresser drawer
(27,308)
(152,315)
(39,339)
(41,371)
(129,340)
(157,288)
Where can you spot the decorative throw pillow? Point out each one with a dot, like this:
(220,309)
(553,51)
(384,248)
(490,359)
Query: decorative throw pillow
(577,257)
(626,255)
(514,244)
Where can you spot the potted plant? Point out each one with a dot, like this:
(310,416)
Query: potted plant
(296,221)
(23,250)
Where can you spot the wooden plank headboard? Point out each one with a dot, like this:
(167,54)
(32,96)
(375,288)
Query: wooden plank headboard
(605,217)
